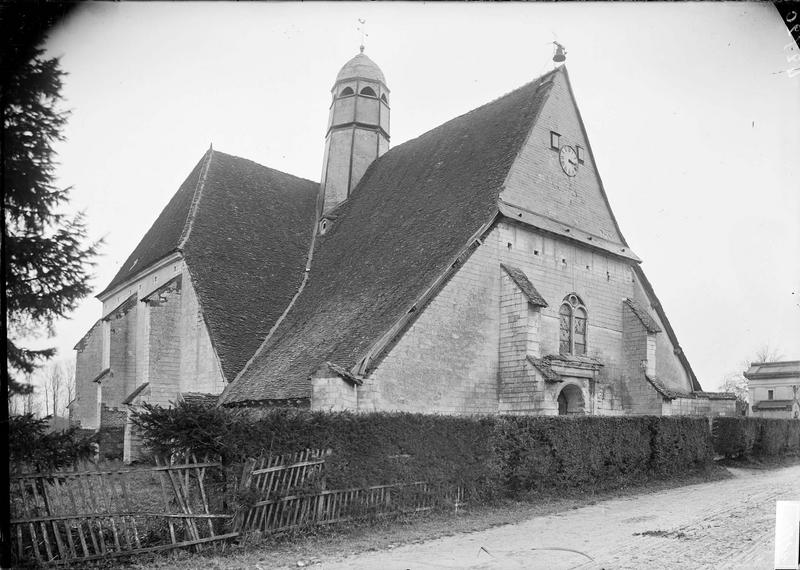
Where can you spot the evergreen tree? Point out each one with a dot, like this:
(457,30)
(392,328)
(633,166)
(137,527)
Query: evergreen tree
(47,254)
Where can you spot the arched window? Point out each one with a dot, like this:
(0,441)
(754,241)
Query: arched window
(369,92)
(384,99)
(572,316)
(346,91)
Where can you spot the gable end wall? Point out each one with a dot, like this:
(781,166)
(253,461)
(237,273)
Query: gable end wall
(537,183)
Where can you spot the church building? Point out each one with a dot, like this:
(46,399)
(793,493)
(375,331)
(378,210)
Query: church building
(476,269)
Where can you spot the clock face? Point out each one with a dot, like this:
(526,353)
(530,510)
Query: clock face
(569,160)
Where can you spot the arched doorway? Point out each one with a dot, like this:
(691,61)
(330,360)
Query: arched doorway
(570,400)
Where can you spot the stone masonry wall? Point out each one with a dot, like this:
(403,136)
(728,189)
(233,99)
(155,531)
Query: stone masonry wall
(337,167)
(122,381)
(88,364)
(447,361)
(200,369)
(133,445)
(557,268)
(699,406)
(165,346)
(638,395)
(332,394)
(112,432)
(520,390)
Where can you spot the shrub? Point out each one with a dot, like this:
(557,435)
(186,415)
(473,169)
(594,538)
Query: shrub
(679,445)
(596,452)
(368,449)
(485,456)
(756,437)
(32,448)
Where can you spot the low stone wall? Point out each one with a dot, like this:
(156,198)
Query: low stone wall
(111,435)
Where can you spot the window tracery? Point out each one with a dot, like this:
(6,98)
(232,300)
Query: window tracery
(573,319)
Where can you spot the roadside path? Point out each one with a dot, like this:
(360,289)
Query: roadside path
(723,524)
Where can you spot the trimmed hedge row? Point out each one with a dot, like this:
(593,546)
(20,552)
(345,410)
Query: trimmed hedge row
(488,455)
(756,437)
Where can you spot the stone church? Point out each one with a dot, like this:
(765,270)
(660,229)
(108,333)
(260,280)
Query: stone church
(476,269)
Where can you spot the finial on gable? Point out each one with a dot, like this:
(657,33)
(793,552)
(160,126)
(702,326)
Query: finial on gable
(559,53)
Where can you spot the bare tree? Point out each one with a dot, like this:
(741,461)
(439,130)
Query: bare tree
(736,382)
(55,379)
(768,353)
(30,404)
(69,384)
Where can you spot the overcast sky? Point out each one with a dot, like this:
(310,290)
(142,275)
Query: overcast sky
(693,118)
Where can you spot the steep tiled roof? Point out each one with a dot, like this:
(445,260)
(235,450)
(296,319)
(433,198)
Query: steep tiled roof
(133,395)
(697,394)
(81,344)
(644,317)
(666,392)
(198,398)
(766,370)
(527,288)
(245,231)
(574,361)
(247,250)
(716,395)
(545,368)
(361,66)
(414,211)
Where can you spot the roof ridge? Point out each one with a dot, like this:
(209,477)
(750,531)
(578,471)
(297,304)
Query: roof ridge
(198,191)
(539,79)
(282,172)
(541,82)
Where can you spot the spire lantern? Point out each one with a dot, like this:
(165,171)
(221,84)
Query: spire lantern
(358,127)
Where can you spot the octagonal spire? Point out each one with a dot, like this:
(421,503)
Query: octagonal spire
(361,66)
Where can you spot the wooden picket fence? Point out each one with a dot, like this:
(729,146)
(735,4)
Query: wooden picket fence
(290,492)
(74,516)
(336,506)
(271,477)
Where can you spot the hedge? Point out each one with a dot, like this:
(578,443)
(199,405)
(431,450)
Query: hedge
(756,437)
(487,455)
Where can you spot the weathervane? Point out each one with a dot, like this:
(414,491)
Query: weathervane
(363,29)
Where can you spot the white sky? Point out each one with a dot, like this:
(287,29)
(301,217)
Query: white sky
(693,118)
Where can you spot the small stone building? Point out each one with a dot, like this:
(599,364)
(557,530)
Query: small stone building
(475,269)
(774,389)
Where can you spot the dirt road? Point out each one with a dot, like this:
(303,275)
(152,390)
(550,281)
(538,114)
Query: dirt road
(724,524)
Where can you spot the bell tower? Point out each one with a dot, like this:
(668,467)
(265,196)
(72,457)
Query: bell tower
(358,128)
